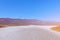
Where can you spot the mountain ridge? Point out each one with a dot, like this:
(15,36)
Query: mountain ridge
(10,21)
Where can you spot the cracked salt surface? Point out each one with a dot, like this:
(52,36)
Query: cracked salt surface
(28,33)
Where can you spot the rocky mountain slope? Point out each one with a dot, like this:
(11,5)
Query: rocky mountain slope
(9,21)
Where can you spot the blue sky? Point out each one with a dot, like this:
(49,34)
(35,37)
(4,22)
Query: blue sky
(30,9)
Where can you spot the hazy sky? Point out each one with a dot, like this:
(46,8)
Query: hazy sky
(31,9)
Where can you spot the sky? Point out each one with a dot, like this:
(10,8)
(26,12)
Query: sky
(30,9)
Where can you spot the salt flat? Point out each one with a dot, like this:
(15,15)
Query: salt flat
(28,33)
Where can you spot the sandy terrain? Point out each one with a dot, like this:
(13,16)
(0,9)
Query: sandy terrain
(28,33)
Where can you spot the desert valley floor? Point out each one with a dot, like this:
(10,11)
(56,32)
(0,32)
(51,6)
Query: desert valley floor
(31,32)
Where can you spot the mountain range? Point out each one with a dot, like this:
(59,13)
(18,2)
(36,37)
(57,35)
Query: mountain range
(13,22)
